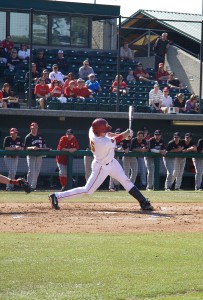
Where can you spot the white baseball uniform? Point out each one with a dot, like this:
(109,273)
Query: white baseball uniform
(104,164)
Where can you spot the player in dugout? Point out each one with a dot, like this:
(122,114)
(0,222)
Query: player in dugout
(102,143)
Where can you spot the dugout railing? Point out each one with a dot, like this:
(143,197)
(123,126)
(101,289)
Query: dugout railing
(74,169)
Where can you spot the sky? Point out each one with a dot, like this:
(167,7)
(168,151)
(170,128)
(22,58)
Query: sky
(128,7)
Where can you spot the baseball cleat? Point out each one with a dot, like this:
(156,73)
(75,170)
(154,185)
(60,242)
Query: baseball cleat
(146,205)
(54,201)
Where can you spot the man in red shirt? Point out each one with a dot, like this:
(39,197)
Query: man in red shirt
(41,92)
(8,44)
(69,143)
(81,91)
(140,74)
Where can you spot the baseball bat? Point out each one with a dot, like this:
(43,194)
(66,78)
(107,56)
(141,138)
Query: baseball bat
(131,115)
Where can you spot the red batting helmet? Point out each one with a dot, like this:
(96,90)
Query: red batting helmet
(100,125)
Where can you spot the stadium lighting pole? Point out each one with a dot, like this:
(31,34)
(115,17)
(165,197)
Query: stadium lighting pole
(200,77)
(30,60)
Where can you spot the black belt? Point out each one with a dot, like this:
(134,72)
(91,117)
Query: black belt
(106,164)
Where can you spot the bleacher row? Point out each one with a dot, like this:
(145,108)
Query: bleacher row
(105,68)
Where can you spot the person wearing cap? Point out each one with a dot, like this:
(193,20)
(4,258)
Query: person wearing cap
(85,70)
(167,101)
(56,74)
(81,90)
(55,89)
(160,49)
(70,91)
(173,82)
(126,53)
(155,99)
(179,103)
(156,145)
(34,141)
(139,144)
(41,92)
(40,60)
(179,165)
(162,75)
(24,53)
(191,105)
(175,146)
(92,84)
(61,62)
(68,143)
(140,74)
(198,164)
(13,143)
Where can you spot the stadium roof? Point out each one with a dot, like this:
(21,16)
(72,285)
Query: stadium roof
(97,11)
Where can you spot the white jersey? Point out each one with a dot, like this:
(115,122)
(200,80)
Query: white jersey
(103,147)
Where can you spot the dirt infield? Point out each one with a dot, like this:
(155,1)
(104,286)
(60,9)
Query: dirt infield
(100,218)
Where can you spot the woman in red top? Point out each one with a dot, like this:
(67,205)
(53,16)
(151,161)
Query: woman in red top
(55,90)
(70,77)
(123,89)
(69,143)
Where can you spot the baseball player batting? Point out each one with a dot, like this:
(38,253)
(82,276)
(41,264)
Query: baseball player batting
(104,164)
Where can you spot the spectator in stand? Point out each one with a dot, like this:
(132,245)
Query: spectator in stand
(198,163)
(93,85)
(68,143)
(155,99)
(55,90)
(70,77)
(123,88)
(70,91)
(45,76)
(179,103)
(24,53)
(61,62)
(13,143)
(139,144)
(130,76)
(179,165)
(8,44)
(35,75)
(41,92)
(85,70)
(173,82)
(3,104)
(160,49)
(191,105)
(141,74)
(9,96)
(56,74)
(162,75)
(126,53)
(175,145)
(147,136)
(3,54)
(40,61)
(14,62)
(34,141)
(81,90)
(156,145)
(167,101)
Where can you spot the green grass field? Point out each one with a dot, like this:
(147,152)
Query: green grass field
(102,266)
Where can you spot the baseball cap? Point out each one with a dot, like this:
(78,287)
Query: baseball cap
(139,64)
(165,89)
(118,130)
(157,132)
(176,134)
(188,134)
(171,73)
(91,75)
(72,81)
(45,71)
(55,66)
(161,65)
(60,51)
(69,131)
(156,84)
(80,80)
(33,125)
(13,130)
